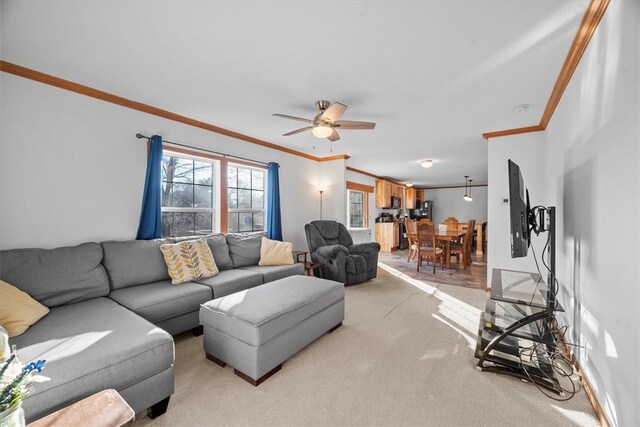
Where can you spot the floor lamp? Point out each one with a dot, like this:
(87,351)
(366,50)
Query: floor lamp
(321,191)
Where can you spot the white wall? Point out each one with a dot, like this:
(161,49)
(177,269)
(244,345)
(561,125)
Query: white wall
(593,177)
(334,198)
(527,150)
(590,154)
(71,169)
(449,202)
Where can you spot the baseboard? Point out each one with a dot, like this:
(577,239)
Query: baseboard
(597,407)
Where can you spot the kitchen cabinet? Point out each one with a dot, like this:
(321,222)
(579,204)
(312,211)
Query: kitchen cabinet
(410,198)
(383,193)
(388,235)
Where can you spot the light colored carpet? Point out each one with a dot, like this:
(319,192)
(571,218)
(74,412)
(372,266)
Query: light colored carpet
(404,356)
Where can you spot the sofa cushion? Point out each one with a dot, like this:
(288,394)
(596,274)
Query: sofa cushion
(244,248)
(274,272)
(162,300)
(258,315)
(232,281)
(189,260)
(134,262)
(18,310)
(56,276)
(219,248)
(90,346)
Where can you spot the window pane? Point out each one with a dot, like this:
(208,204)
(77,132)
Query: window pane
(356,221)
(233,199)
(203,223)
(244,178)
(357,197)
(232,177)
(203,173)
(257,180)
(202,196)
(233,222)
(184,224)
(166,167)
(167,187)
(167,223)
(246,221)
(258,221)
(183,171)
(244,199)
(257,199)
(182,196)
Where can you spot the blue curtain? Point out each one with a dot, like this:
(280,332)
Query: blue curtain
(274,221)
(151,216)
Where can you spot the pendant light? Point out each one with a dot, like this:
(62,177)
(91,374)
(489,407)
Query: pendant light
(466,184)
(468,197)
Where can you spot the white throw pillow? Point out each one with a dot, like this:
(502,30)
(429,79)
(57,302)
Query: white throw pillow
(273,252)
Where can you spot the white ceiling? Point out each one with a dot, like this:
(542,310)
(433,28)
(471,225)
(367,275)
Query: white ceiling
(434,75)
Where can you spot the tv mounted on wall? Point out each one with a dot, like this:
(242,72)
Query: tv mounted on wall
(520,211)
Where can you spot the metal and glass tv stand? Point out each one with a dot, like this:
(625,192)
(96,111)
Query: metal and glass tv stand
(518,320)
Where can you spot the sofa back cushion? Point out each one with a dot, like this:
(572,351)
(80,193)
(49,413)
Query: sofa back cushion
(56,276)
(245,248)
(219,248)
(134,262)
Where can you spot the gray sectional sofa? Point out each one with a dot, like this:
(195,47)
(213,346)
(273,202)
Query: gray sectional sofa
(113,310)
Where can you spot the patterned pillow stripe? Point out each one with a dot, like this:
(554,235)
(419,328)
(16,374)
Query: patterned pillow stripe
(190,260)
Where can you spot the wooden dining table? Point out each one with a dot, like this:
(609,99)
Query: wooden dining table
(445,238)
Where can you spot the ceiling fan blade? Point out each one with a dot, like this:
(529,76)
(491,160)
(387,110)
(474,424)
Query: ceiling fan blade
(350,124)
(334,136)
(293,132)
(334,112)
(300,119)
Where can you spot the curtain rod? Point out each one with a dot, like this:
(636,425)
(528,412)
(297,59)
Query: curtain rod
(224,155)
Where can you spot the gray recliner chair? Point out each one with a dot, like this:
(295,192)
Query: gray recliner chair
(331,245)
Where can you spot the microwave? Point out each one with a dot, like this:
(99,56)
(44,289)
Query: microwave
(395,202)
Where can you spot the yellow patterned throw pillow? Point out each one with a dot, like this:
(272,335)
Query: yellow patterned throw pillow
(190,260)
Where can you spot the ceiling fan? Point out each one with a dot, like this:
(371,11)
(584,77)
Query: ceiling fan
(326,123)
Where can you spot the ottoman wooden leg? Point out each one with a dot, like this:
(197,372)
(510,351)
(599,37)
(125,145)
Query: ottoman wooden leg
(335,327)
(260,380)
(215,360)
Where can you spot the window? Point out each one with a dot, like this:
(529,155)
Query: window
(246,198)
(357,209)
(188,196)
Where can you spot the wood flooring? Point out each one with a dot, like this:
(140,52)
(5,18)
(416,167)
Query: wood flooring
(475,276)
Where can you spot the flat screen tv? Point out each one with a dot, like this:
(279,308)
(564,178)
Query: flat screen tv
(519,212)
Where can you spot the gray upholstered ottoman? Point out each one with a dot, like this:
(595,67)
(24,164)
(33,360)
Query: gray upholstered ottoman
(256,330)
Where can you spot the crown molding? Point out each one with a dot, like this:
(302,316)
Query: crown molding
(58,82)
(590,21)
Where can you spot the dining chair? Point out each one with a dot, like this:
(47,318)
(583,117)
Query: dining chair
(464,248)
(451,223)
(427,248)
(411,227)
(425,221)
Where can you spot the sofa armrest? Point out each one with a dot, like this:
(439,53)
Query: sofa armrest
(365,248)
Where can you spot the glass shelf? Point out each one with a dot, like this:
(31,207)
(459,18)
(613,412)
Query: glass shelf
(522,288)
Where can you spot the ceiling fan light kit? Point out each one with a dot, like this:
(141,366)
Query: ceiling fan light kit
(324,124)
(426,163)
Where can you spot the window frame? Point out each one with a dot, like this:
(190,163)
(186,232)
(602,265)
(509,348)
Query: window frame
(365,207)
